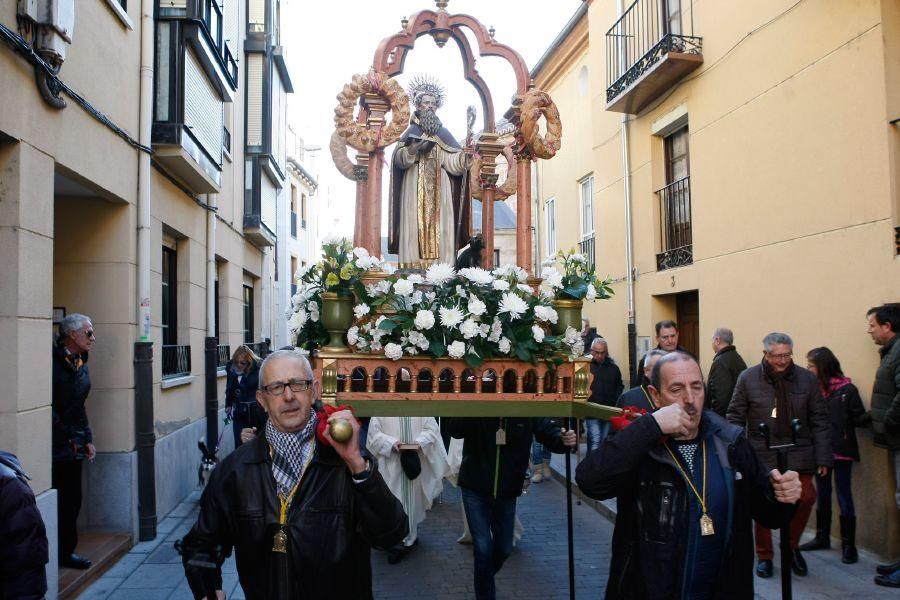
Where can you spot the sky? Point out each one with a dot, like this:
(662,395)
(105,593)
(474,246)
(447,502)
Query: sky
(328,41)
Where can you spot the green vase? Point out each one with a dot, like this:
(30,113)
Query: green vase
(569,312)
(337,316)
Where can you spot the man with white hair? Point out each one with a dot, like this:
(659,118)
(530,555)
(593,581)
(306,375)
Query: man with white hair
(775,392)
(73,440)
(640,397)
(727,364)
(300,510)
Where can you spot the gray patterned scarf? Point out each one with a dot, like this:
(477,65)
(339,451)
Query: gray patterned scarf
(291,452)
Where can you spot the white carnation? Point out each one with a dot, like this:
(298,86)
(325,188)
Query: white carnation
(353,335)
(393,351)
(476,306)
(418,339)
(361,252)
(538,333)
(469,328)
(333,239)
(439,274)
(361,310)
(461,291)
(552,277)
(484,329)
(403,287)
(500,285)
(456,350)
(424,319)
(513,304)
(591,292)
(504,345)
(546,313)
(525,288)
(416,297)
(415,278)
(314,316)
(477,275)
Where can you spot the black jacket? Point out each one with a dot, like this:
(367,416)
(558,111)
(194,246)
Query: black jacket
(753,401)
(23,539)
(606,382)
(886,397)
(639,397)
(637,377)
(727,364)
(71,431)
(241,396)
(649,540)
(332,524)
(847,413)
(480,451)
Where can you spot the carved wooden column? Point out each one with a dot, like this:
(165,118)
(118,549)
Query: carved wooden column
(523,213)
(376,107)
(489,148)
(361,175)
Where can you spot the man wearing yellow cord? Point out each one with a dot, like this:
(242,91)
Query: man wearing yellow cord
(688,486)
(301,513)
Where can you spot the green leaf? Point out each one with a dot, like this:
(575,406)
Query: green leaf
(522,353)
(473,360)
(437,348)
(387,325)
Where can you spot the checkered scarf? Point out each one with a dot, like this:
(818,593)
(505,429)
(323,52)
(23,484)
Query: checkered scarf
(291,453)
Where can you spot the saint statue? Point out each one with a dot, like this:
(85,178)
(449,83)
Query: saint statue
(429,215)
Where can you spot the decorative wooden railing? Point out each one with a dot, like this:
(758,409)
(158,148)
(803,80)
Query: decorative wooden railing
(377,385)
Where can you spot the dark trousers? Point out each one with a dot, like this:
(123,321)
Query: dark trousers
(67,481)
(842,470)
(491,521)
(798,523)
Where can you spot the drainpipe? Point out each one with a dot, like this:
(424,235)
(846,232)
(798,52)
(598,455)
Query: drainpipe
(212,342)
(143,348)
(629,234)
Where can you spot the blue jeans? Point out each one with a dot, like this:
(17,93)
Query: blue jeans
(539,453)
(596,430)
(841,472)
(491,522)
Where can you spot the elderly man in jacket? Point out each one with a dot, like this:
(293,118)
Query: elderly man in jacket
(776,392)
(884,326)
(300,512)
(727,364)
(687,484)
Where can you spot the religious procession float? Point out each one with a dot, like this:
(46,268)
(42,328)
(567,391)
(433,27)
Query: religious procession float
(444,333)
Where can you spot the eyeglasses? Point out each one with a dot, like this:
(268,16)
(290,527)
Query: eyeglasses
(296,385)
(785,356)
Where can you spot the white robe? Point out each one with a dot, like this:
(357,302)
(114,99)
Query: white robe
(417,495)
(453,163)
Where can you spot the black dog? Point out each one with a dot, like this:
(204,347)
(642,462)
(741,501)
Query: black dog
(470,255)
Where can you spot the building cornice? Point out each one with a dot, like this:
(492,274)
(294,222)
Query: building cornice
(571,42)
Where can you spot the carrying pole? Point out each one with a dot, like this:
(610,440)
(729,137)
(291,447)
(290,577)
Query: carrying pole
(569,518)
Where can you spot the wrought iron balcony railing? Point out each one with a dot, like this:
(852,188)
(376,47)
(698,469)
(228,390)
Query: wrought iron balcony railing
(646,33)
(223,355)
(676,241)
(176,361)
(586,247)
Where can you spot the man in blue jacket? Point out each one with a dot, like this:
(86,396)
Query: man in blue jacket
(688,485)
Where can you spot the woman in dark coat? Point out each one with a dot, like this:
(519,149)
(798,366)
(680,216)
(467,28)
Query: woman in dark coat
(240,392)
(847,413)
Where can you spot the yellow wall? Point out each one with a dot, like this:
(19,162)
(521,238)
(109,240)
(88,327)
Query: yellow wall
(793,167)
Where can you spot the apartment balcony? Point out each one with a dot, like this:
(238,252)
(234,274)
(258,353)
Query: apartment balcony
(648,50)
(587,247)
(676,241)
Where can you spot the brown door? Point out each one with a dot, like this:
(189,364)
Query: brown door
(688,309)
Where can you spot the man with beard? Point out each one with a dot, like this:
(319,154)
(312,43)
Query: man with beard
(775,392)
(429,205)
(687,484)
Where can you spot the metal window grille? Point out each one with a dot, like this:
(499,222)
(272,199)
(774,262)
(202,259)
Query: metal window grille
(676,243)
(176,361)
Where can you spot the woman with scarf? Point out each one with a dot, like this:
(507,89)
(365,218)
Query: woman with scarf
(847,413)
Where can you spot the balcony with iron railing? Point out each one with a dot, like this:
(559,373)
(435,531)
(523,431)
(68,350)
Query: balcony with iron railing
(223,355)
(176,361)
(586,247)
(676,240)
(649,48)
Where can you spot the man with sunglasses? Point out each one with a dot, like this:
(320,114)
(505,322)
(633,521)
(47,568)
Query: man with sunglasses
(776,392)
(73,440)
(300,511)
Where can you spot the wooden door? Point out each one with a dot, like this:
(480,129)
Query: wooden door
(688,310)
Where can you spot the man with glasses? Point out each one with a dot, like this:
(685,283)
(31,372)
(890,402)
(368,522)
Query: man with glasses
(300,511)
(775,392)
(73,440)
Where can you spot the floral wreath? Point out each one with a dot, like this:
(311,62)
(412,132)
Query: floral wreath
(502,192)
(534,104)
(338,148)
(357,134)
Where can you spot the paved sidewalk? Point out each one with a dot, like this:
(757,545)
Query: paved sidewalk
(441,569)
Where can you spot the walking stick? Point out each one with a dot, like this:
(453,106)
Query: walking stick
(569,518)
(784,544)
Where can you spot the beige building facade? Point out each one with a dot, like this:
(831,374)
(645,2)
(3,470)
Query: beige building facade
(743,172)
(143,204)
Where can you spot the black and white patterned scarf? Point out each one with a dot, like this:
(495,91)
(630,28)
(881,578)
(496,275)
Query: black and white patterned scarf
(291,453)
